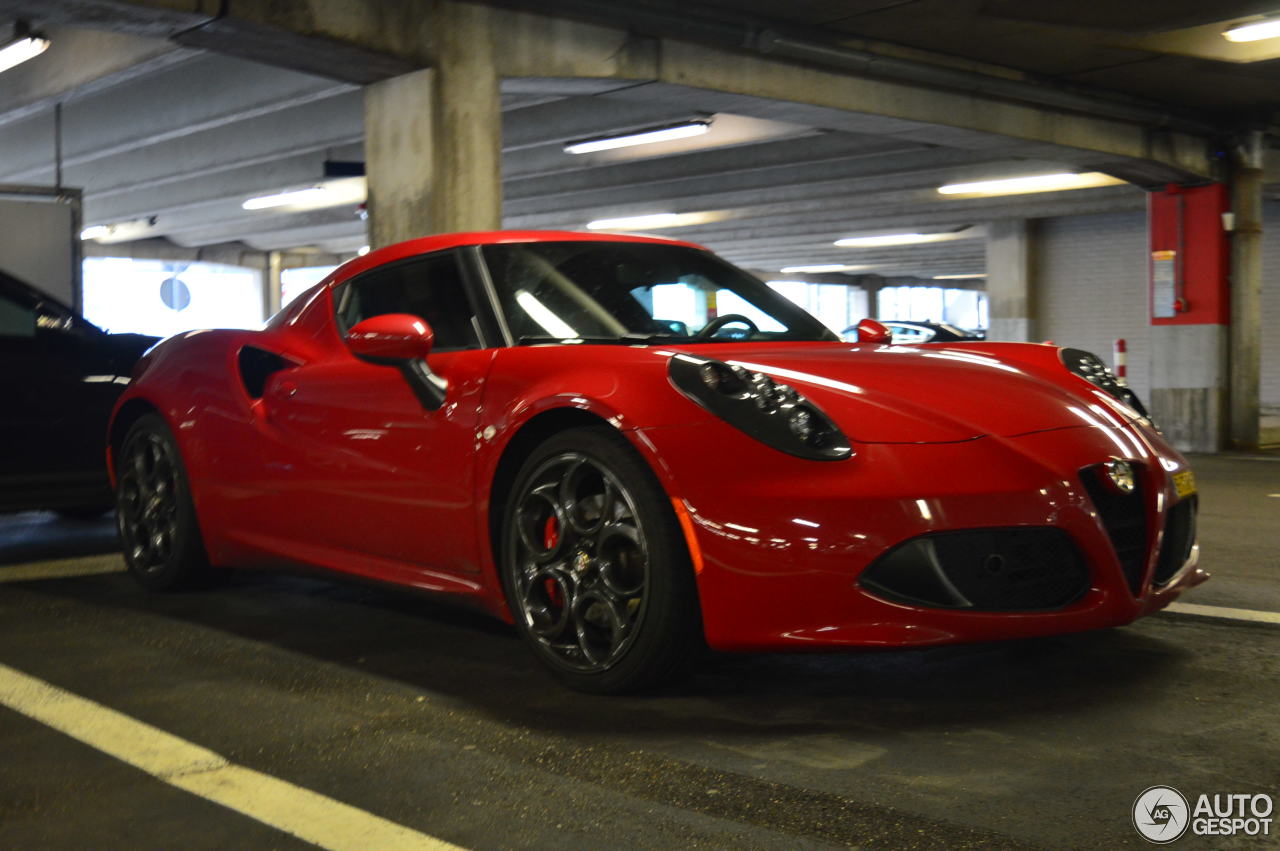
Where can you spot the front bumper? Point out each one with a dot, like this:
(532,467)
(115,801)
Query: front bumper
(783,541)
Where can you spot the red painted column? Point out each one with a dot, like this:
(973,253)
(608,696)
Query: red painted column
(1189,302)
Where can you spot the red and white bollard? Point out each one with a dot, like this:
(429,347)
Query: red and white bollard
(1122,371)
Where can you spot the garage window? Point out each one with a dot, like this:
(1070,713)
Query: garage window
(162,298)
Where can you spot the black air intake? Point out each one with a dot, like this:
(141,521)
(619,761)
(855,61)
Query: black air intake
(1124,516)
(995,570)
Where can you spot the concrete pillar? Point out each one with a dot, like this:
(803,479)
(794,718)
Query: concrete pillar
(1188,378)
(1190,315)
(272,288)
(873,298)
(433,138)
(1010,290)
(1245,335)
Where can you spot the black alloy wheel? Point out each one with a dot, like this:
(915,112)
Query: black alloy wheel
(154,513)
(594,567)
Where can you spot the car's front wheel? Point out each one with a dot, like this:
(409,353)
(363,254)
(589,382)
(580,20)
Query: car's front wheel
(594,567)
(154,512)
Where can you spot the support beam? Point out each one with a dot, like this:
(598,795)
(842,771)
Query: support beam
(83,61)
(325,124)
(230,254)
(873,295)
(200,94)
(1010,289)
(1244,406)
(433,139)
(183,192)
(272,287)
(729,71)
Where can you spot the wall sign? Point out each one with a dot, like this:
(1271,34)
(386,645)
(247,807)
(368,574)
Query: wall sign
(1164,284)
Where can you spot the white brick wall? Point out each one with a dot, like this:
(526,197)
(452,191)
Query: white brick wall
(1271,307)
(1091,279)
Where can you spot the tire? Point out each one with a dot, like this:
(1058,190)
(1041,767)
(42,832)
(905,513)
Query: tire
(595,570)
(155,516)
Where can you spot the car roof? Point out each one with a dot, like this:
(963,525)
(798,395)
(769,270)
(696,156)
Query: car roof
(439,242)
(18,286)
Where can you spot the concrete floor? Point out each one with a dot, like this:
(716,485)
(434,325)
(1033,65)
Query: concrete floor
(438,720)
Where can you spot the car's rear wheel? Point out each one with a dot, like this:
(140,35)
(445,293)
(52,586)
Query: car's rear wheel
(594,567)
(154,512)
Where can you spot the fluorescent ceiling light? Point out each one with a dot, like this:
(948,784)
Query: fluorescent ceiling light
(655,220)
(959,277)
(117,232)
(1256,31)
(281,199)
(1032,183)
(892,239)
(822,267)
(641,137)
(20,50)
(332,192)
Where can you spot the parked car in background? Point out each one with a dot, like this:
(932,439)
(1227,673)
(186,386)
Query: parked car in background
(560,429)
(59,378)
(905,331)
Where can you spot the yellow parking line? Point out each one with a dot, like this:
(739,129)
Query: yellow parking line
(300,812)
(64,568)
(1224,612)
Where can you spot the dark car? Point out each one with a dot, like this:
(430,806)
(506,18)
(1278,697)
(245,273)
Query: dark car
(60,377)
(905,331)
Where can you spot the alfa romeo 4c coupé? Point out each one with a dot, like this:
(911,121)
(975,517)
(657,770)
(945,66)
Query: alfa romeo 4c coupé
(629,448)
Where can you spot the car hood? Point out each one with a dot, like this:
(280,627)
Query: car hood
(124,350)
(926,394)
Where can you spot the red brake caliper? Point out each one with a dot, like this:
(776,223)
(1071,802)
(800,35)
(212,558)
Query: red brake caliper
(553,592)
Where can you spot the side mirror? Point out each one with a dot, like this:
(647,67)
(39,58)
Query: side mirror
(404,341)
(871,331)
(391,338)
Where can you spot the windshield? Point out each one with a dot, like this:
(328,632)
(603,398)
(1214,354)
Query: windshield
(637,292)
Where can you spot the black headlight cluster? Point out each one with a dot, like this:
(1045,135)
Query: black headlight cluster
(772,413)
(1092,369)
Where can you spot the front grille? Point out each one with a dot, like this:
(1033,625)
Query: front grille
(1179,538)
(1124,516)
(1018,569)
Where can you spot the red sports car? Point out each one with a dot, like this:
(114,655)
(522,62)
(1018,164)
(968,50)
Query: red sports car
(628,447)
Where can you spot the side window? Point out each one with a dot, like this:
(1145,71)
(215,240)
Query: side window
(427,287)
(911,334)
(17,317)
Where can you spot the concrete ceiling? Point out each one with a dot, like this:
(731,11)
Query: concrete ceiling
(1159,50)
(173,139)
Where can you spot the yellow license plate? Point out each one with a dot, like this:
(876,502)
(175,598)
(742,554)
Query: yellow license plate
(1184,483)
